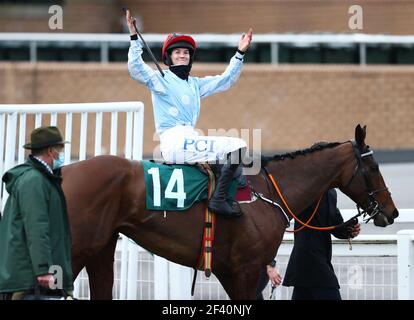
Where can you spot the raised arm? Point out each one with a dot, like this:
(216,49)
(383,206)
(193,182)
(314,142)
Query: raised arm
(215,84)
(137,68)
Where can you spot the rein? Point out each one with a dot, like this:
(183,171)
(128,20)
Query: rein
(304,224)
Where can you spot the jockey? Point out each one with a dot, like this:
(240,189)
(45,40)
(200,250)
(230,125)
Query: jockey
(176,104)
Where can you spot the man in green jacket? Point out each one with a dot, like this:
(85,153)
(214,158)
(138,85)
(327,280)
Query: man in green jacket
(35,241)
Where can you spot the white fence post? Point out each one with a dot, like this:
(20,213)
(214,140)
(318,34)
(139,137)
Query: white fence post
(124,268)
(160,278)
(180,282)
(76,287)
(10,156)
(405,264)
(132,284)
(2,140)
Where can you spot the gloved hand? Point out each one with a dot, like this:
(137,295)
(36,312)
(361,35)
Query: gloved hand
(350,228)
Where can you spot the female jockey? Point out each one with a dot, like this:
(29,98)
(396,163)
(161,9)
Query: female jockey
(176,104)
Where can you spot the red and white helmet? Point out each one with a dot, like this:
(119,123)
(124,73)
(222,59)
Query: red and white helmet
(177,41)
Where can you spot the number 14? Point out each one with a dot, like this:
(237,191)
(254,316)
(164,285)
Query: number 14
(176,178)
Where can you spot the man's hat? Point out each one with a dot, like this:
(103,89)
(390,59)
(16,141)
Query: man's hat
(44,137)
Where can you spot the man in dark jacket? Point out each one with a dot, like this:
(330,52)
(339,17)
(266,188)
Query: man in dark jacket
(310,270)
(35,241)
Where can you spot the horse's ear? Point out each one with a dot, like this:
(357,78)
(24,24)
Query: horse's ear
(360,134)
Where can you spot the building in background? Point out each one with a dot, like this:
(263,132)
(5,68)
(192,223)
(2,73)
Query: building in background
(212,16)
(321,97)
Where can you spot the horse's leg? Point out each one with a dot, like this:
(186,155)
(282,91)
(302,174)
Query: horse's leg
(101,272)
(242,285)
(77,266)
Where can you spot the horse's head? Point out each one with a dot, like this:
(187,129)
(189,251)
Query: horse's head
(364,184)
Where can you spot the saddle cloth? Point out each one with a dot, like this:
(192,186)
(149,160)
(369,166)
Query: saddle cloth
(176,187)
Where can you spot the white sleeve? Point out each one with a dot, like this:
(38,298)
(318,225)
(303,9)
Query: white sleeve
(215,84)
(141,72)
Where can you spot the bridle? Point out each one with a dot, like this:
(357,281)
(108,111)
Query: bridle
(374,207)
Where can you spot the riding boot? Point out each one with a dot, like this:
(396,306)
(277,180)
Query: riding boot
(218,202)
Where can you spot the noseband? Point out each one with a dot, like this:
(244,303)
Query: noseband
(374,208)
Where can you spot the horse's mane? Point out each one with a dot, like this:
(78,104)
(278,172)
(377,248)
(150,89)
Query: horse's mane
(292,155)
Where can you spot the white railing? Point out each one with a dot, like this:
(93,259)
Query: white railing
(405,264)
(378,267)
(104,40)
(16,122)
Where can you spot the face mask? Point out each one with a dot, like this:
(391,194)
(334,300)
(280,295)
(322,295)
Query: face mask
(181,71)
(57,163)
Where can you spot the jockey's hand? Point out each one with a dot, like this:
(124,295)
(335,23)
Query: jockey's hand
(46,280)
(130,22)
(245,40)
(274,276)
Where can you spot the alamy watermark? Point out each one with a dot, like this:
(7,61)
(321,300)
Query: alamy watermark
(355,277)
(356,21)
(56,20)
(57,281)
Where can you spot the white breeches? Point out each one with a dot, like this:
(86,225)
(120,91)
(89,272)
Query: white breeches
(182,144)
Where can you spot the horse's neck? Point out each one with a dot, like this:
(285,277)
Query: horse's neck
(304,179)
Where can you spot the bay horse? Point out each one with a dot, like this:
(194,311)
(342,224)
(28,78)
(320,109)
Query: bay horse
(106,196)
